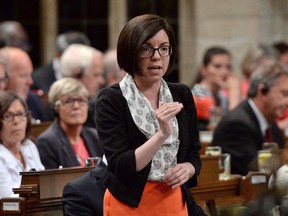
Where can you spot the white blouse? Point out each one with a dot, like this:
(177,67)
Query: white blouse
(10,167)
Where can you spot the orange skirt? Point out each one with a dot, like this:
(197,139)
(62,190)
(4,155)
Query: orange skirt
(158,199)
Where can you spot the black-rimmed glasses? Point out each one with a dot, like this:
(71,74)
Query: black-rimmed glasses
(9,116)
(147,52)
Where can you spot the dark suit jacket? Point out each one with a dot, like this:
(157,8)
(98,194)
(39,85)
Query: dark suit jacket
(84,195)
(120,137)
(239,134)
(55,148)
(35,106)
(43,77)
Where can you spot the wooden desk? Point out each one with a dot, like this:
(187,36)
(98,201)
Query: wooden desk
(217,189)
(210,169)
(213,194)
(210,191)
(41,192)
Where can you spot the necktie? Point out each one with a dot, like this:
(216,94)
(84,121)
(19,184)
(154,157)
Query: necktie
(268,135)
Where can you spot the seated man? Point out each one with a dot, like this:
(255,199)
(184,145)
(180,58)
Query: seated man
(86,64)
(19,80)
(44,76)
(241,132)
(84,195)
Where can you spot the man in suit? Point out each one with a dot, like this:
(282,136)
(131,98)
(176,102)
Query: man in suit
(44,76)
(19,80)
(84,195)
(241,132)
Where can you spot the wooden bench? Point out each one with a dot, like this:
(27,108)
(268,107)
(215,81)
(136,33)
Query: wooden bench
(40,193)
(224,195)
(209,186)
(37,129)
(253,185)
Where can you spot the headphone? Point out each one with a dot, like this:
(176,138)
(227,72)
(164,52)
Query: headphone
(265,89)
(79,74)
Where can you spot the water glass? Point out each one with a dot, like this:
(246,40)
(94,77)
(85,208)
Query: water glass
(264,160)
(225,166)
(92,161)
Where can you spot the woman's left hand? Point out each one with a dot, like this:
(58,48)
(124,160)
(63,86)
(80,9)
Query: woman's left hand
(179,174)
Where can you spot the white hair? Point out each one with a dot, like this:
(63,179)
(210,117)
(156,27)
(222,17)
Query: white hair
(76,59)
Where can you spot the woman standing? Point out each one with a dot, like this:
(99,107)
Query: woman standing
(17,153)
(148,128)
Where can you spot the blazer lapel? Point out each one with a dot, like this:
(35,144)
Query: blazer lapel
(66,148)
(254,121)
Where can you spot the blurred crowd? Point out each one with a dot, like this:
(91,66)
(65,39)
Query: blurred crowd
(243,110)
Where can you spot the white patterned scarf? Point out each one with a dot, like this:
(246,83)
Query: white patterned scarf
(144,117)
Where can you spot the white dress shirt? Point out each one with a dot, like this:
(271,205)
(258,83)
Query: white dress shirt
(260,117)
(10,167)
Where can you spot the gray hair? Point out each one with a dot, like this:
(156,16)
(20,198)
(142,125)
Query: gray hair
(64,87)
(266,74)
(255,56)
(110,63)
(76,59)
(74,37)
(13,34)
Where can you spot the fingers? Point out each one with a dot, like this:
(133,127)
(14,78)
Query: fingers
(178,175)
(168,109)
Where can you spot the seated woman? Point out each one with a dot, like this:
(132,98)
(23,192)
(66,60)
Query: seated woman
(67,142)
(17,152)
(216,88)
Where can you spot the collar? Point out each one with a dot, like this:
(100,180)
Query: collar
(260,117)
(56,67)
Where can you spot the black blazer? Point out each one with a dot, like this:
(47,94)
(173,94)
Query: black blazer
(35,106)
(43,77)
(84,195)
(120,137)
(239,134)
(55,149)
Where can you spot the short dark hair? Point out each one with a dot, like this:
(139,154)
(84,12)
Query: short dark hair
(281,47)
(136,32)
(6,99)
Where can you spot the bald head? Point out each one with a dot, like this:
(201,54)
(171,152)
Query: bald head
(19,70)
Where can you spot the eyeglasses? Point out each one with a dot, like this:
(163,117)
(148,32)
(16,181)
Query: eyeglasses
(9,116)
(147,52)
(82,101)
